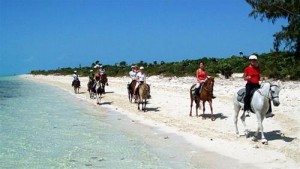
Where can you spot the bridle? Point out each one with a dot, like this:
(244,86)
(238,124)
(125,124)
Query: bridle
(207,89)
(270,91)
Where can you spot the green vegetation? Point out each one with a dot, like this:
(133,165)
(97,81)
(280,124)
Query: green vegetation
(274,65)
(281,9)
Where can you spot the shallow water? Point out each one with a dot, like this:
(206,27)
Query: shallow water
(45,127)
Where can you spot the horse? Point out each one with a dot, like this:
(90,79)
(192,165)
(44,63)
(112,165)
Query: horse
(91,88)
(130,89)
(260,104)
(143,95)
(99,90)
(103,80)
(76,85)
(205,94)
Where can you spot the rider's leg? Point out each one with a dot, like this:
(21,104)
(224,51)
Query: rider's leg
(197,89)
(136,86)
(247,97)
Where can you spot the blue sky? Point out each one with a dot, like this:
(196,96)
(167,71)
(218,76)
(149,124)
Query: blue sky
(42,34)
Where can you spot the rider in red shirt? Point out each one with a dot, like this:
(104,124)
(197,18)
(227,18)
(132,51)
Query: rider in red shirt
(252,76)
(201,76)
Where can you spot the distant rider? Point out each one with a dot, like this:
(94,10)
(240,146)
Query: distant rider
(140,78)
(201,76)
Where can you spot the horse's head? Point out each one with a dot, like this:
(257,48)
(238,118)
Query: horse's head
(209,83)
(274,92)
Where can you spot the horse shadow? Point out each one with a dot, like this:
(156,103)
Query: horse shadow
(106,103)
(215,116)
(109,92)
(155,109)
(274,135)
(81,92)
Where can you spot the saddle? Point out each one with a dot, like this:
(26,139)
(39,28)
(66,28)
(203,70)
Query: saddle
(241,95)
(242,92)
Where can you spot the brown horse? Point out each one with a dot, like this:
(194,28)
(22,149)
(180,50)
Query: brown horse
(205,94)
(130,89)
(143,95)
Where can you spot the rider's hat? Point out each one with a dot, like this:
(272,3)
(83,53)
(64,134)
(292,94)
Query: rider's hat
(141,67)
(100,66)
(252,57)
(96,66)
(132,66)
(75,71)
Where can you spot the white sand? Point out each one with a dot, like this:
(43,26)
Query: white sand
(169,110)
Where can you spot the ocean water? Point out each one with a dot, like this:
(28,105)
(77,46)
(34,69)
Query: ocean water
(45,127)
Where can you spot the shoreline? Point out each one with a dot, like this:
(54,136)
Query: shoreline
(169,113)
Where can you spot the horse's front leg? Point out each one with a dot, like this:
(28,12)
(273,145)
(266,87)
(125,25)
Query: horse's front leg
(203,109)
(98,98)
(145,102)
(260,128)
(243,117)
(197,106)
(235,118)
(191,107)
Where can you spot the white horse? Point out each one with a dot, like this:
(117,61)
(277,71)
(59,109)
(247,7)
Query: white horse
(99,91)
(260,103)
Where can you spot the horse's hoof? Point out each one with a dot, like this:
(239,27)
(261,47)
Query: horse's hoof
(264,142)
(203,118)
(213,119)
(254,139)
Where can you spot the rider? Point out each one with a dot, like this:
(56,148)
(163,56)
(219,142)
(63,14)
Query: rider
(91,75)
(140,78)
(133,72)
(97,72)
(75,77)
(201,76)
(252,76)
(101,70)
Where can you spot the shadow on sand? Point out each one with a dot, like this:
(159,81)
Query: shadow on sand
(215,116)
(155,109)
(106,103)
(109,92)
(273,135)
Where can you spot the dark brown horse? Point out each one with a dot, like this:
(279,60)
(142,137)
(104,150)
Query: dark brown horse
(205,94)
(130,89)
(103,80)
(76,85)
(91,88)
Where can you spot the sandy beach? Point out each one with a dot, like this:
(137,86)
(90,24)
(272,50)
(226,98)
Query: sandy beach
(168,109)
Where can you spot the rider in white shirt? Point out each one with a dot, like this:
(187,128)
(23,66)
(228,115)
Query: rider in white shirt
(75,76)
(133,73)
(140,78)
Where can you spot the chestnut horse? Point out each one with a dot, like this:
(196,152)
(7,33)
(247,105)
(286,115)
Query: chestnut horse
(143,94)
(205,94)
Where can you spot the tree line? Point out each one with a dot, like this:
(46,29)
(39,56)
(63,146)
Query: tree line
(279,65)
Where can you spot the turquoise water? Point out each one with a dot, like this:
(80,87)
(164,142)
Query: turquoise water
(45,127)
